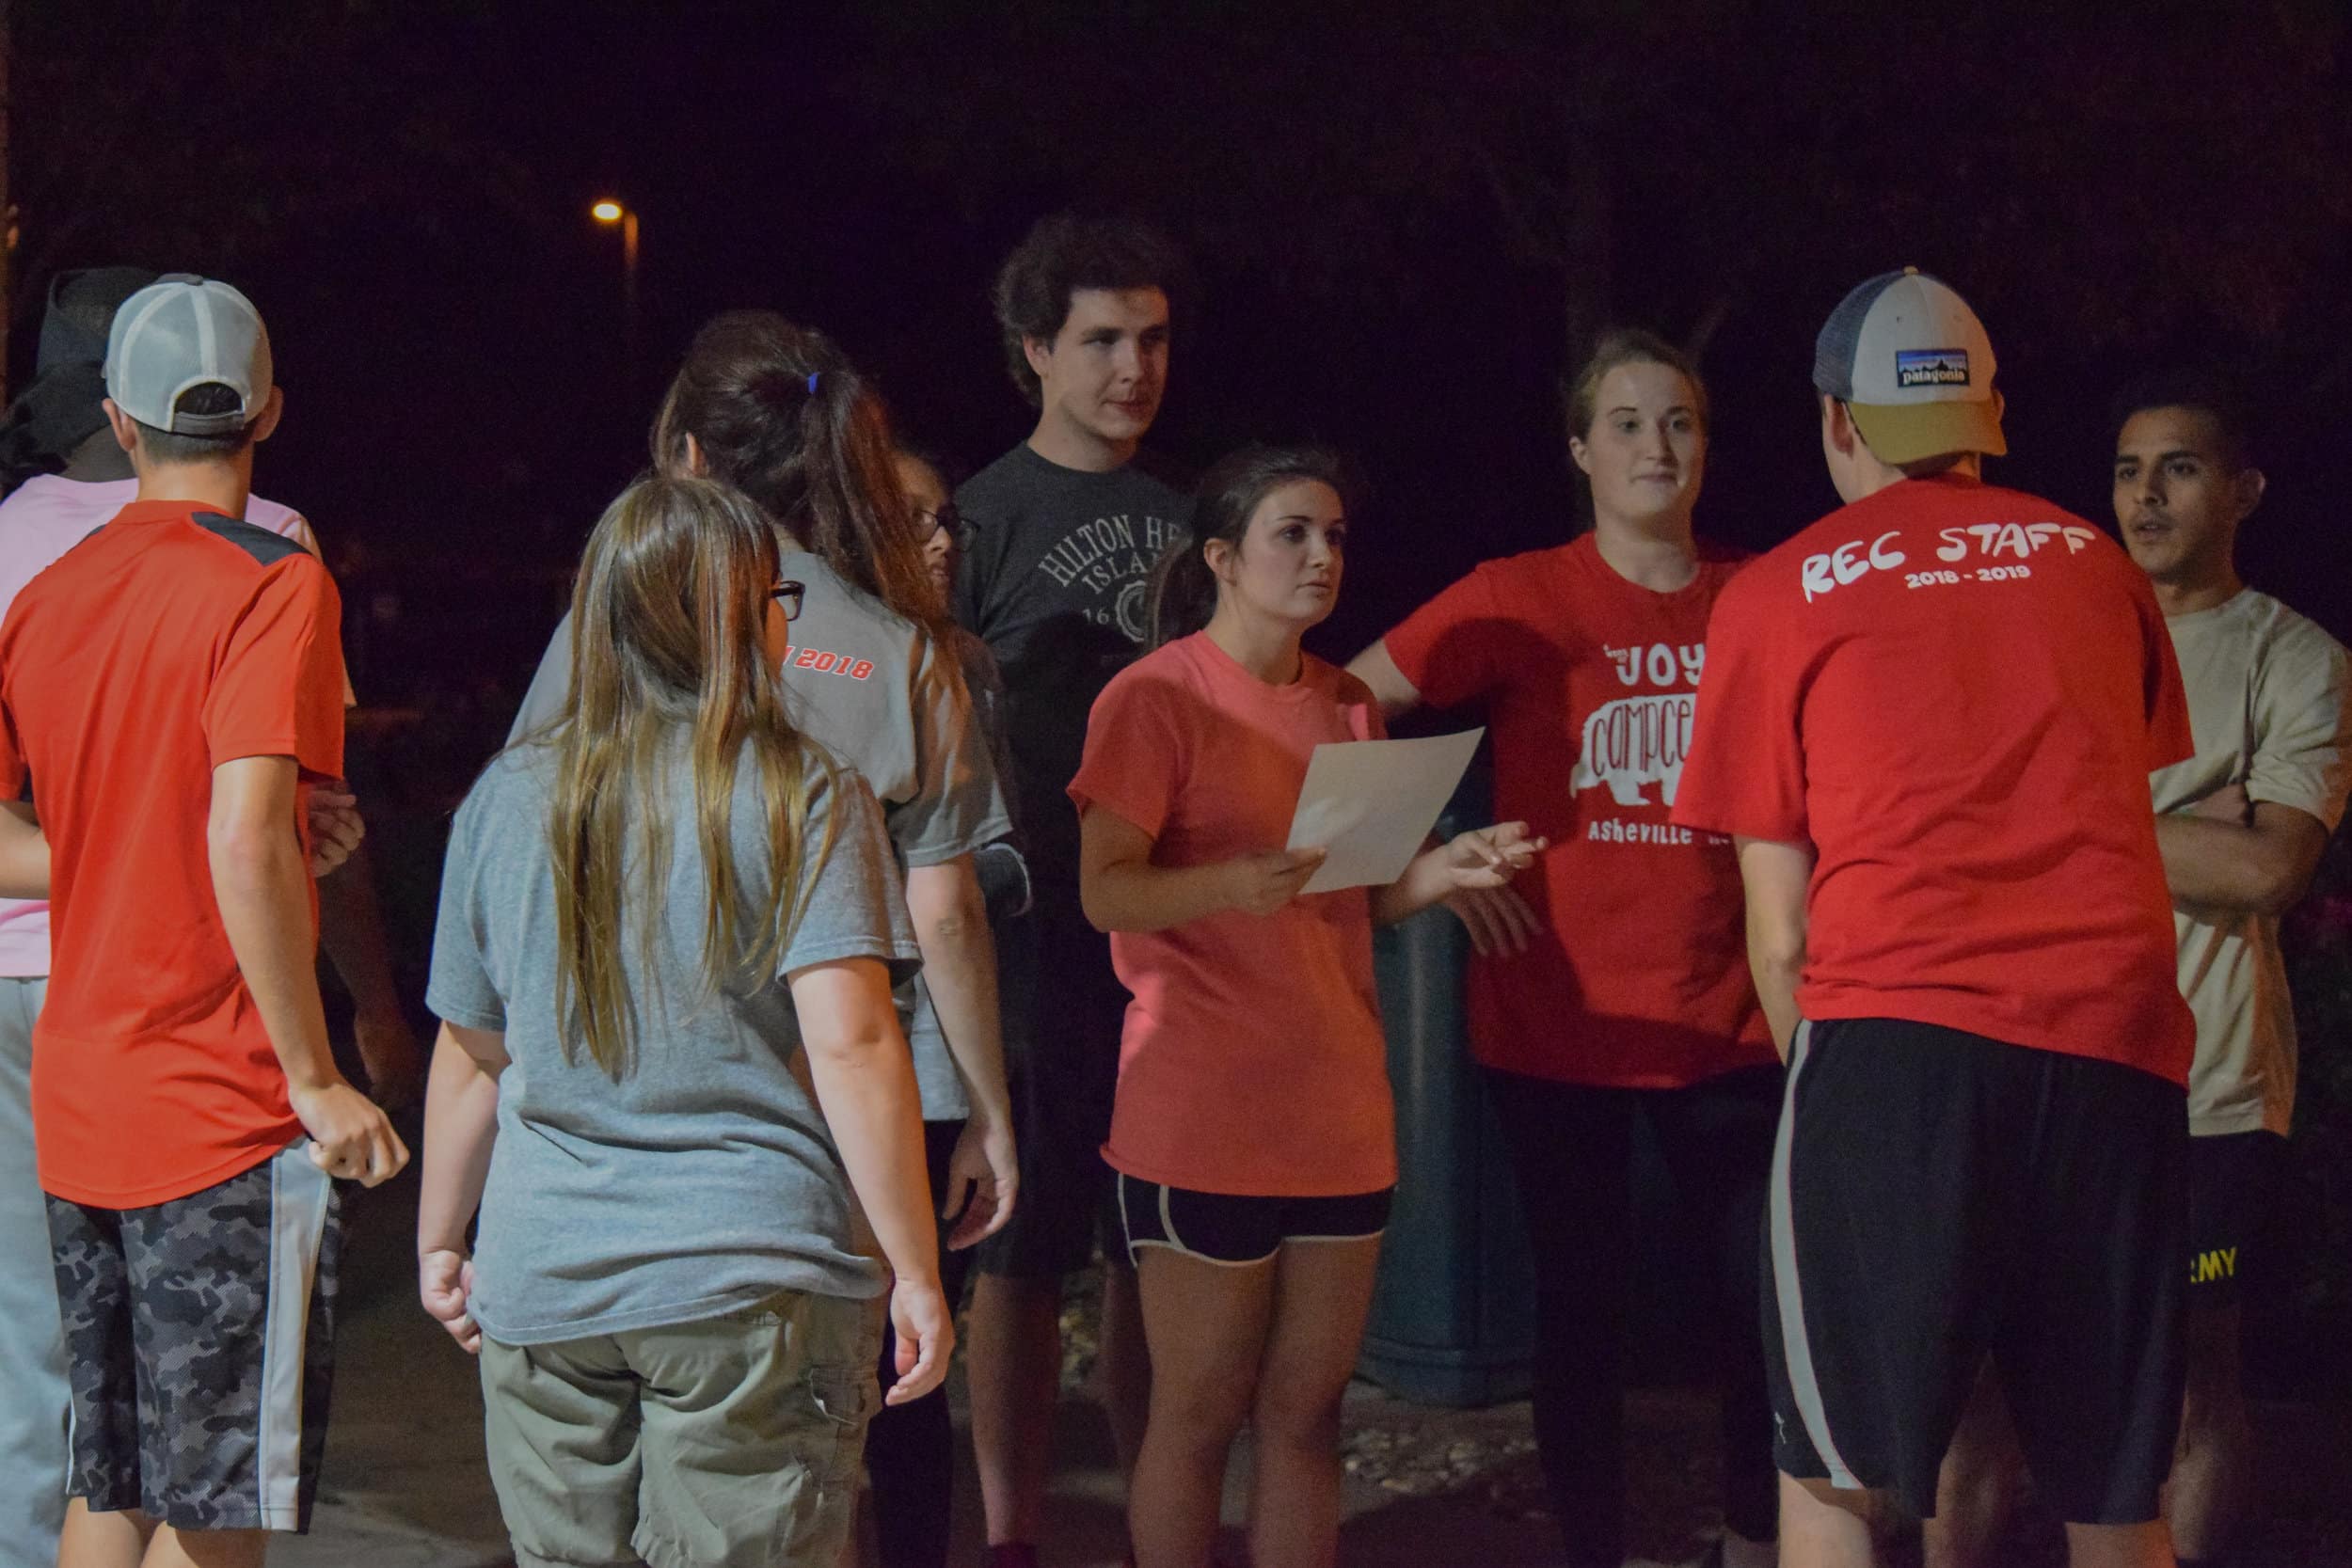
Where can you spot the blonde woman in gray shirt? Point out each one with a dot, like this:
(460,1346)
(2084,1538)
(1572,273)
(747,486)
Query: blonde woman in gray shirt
(672,1076)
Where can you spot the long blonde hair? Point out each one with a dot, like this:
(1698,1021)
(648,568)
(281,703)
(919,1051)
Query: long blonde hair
(669,652)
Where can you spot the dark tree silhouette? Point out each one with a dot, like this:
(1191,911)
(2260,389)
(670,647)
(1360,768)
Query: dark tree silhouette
(2110,176)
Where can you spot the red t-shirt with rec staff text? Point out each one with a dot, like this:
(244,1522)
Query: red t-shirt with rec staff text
(167,644)
(1955,693)
(1252,1060)
(1640,976)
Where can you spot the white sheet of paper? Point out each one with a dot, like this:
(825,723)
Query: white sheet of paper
(1372,804)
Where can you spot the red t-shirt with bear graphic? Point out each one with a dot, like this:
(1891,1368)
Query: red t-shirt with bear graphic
(1639,978)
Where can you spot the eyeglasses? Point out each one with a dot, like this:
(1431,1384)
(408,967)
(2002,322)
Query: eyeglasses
(787,595)
(946,520)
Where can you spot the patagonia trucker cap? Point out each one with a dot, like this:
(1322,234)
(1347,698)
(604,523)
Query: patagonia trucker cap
(1904,352)
(182,331)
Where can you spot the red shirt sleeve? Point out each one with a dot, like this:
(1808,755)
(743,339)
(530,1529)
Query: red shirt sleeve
(1134,760)
(1745,770)
(278,686)
(1450,647)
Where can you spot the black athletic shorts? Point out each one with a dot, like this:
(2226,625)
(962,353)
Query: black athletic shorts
(2232,1182)
(1237,1230)
(199,1336)
(1937,1198)
(1064,1009)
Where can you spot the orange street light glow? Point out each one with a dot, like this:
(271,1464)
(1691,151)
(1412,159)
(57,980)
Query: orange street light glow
(606,212)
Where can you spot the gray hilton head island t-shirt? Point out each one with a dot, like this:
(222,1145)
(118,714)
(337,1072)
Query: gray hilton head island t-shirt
(863,681)
(1053,579)
(705,1179)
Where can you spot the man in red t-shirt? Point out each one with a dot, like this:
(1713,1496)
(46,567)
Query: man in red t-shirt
(169,690)
(1928,721)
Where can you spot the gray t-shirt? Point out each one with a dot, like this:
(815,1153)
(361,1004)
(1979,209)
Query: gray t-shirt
(705,1179)
(863,681)
(1053,579)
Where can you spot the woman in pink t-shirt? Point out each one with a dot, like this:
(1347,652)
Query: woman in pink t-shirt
(1253,1129)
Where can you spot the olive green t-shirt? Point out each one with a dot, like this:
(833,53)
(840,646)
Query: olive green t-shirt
(2267,701)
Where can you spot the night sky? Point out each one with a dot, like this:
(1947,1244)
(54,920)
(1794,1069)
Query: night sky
(1404,217)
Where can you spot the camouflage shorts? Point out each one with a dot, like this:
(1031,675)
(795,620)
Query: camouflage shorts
(200,1338)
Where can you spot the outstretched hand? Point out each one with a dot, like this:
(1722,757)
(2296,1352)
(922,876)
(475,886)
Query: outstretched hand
(1490,857)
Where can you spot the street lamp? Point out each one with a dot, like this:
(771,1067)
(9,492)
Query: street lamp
(610,211)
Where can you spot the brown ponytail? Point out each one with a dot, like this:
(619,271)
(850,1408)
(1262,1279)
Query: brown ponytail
(779,412)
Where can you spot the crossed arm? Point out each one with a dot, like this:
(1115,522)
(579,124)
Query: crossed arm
(2230,854)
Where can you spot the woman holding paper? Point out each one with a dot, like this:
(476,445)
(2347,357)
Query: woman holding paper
(1253,1129)
(1616,991)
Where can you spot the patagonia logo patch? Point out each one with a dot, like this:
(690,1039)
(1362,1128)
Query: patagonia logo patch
(1931,367)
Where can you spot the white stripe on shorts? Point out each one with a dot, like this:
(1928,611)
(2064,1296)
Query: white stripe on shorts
(1802,1383)
(298,1225)
(1175,1243)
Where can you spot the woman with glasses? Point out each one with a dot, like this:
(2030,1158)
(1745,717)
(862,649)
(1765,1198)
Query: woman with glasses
(1617,990)
(1251,1129)
(678,923)
(1004,873)
(777,412)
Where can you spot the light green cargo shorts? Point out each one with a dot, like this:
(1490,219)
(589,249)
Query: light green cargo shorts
(733,1442)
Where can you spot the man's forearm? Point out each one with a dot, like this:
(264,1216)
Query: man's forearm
(351,930)
(1776,877)
(262,883)
(461,1109)
(959,968)
(1776,988)
(2220,866)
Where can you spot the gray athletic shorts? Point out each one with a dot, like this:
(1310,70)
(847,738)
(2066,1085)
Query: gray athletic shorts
(199,1336)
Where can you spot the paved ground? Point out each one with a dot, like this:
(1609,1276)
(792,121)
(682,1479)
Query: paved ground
(406,1485)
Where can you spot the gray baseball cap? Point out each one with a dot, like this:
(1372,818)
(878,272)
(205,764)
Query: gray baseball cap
(182,331)
(1907,355)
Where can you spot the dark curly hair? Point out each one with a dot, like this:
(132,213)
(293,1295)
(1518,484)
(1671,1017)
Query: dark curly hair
(1064,253)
